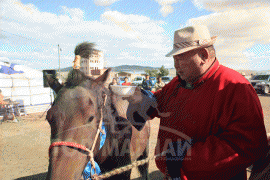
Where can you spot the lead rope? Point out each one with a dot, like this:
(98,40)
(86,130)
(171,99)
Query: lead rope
(126,168)
(91,152)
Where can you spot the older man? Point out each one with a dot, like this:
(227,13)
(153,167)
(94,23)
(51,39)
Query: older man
(211,119)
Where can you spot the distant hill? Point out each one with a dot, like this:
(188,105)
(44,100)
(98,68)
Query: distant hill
(66,69)
(142,68)
(132,67)
(254,72)
(121,68)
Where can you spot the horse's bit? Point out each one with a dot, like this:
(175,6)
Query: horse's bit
(81,147)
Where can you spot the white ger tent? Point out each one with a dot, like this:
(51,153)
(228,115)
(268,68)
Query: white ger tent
(25,85)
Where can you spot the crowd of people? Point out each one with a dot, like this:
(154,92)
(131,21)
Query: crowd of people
(147,83)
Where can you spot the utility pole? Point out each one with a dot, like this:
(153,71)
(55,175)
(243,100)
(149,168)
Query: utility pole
(59,71)
(105,62)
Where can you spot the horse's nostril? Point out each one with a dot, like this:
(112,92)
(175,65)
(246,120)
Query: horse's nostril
(91,118)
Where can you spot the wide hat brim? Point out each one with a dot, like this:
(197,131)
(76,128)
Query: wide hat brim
(177,51)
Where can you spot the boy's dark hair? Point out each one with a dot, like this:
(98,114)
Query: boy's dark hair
(0,91)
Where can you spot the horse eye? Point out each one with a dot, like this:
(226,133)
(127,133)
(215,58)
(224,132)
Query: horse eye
(91,118)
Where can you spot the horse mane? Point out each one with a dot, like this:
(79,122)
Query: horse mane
(75,78)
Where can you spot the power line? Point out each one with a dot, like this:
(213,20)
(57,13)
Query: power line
(24,37)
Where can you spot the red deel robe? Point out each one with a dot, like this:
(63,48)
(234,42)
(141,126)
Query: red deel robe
(222,115)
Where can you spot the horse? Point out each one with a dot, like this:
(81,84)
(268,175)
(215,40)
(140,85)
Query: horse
(81,105)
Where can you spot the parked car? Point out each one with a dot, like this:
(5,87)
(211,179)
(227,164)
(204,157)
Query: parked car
(138,80)
(261,83)
(166,79)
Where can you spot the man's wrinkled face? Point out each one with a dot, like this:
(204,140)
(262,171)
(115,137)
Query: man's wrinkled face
(188,65)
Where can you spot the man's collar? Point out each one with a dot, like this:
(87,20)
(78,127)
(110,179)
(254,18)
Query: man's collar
(210,71)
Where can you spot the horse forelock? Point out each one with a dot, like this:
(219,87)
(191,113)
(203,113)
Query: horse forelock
(75,78)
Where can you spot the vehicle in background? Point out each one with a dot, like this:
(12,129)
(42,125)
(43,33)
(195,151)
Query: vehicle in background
(122,80)
(138,80)
(261,83)
(154,80)
(166,79)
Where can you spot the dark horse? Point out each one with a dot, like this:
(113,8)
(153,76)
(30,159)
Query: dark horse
(81,103)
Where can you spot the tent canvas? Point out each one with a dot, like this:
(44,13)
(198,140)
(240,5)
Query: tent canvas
(25,85)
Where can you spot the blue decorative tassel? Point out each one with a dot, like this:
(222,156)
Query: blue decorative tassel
(102,136)
(87,173)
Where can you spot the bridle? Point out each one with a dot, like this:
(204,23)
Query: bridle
(90,152)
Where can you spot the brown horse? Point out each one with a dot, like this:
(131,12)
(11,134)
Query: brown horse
(75,116)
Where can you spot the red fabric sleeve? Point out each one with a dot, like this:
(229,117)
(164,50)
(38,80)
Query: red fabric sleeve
(238,138)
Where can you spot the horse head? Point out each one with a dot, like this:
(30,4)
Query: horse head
(74,118)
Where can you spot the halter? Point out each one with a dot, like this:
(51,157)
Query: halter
(90,153)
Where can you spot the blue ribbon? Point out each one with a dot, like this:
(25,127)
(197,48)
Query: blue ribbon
(102,136)
(88,171)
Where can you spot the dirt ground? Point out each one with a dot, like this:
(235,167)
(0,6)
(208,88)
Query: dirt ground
(24,146)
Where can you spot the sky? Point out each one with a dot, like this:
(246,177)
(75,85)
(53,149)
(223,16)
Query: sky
(132,32)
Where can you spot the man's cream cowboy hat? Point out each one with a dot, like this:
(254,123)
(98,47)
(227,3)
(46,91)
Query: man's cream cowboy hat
(189,38)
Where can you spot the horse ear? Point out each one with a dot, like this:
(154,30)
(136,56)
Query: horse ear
(104,77)
(54,83)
